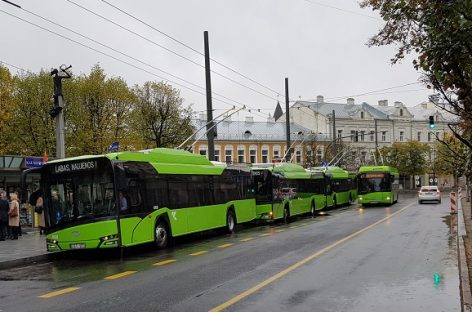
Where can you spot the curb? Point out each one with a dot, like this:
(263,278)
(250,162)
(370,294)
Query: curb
(25,261)
(464,281)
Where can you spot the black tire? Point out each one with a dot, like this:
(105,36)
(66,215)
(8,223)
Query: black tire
(162,236)
(313,209)
(230,221)
(286,215)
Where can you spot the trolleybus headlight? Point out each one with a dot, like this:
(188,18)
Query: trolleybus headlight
(388,197)
(52,241)
(109,237)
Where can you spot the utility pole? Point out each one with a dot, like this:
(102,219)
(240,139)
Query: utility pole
(57,111)
(334,133)
(287,122)
(210,125)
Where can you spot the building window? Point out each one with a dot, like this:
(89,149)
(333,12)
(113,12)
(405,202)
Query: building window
(363,157)
(298,155)
(372,136)
(353,135)
(265,155)
(229,154)
(308,154)
(401,112)
(203,150)
(241,155)
(419,136)
(402,133)
(217,154)
(253,155)
(319,154)
(276,152)
(429,136)
(362,115)
(340,134)
(384,136)
(362,136)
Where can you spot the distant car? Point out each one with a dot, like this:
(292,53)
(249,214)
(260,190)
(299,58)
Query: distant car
(431,193)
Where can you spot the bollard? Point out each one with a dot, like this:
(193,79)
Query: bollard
(452,195)
(459,193)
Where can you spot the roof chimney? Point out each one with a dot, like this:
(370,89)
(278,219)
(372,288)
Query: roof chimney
(350,101)
(397,104)
(383,102)
(319,99)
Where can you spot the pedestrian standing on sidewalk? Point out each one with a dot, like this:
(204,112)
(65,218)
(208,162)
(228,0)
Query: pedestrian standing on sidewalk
(39,209)
(4,208)
(14,216)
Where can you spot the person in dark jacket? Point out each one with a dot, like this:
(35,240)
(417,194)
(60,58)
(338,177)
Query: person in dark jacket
(4,207)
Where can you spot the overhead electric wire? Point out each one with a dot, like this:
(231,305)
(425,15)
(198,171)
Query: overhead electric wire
(14,66)
(342,10)
(370,92)
(129,56)
(109,55)
(167,49)
(187,46)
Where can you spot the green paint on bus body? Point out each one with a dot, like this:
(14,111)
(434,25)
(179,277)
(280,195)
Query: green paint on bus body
(377,185)
(128,230)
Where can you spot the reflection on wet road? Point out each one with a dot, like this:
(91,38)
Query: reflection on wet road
(399,258)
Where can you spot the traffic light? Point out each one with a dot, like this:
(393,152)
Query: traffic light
(431,122)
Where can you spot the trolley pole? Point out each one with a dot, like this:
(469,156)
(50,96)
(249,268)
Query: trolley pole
(287,122)
(57,111)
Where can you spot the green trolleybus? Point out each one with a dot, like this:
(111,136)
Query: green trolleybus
(284,190)
(129,198)
(377,185)
(338,186)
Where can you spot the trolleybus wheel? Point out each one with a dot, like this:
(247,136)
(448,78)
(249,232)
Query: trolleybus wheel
(162,234)
(286,215)
(230,221)
(312,209)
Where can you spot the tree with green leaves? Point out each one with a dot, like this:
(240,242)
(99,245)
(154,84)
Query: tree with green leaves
(7,106)
(160,116)
(408,157)
(97,113)
(452,157)
(31,128)
(439,33)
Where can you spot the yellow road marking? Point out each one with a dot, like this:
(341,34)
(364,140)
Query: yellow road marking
(265,234)
(275,277)
(59,292)
(225,245)
(165,262)
(198,253)
(247,239)
(115,276)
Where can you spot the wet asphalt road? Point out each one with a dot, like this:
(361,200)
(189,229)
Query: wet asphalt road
(399,258)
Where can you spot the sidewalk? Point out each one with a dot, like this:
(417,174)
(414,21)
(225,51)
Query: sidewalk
(465,254)
(27,249)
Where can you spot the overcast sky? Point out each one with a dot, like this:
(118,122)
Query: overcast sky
(319,45)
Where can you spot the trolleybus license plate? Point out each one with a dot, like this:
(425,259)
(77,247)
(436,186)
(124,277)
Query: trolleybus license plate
(77,246)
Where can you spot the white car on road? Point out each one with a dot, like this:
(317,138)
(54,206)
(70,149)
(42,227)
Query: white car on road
(429,193)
